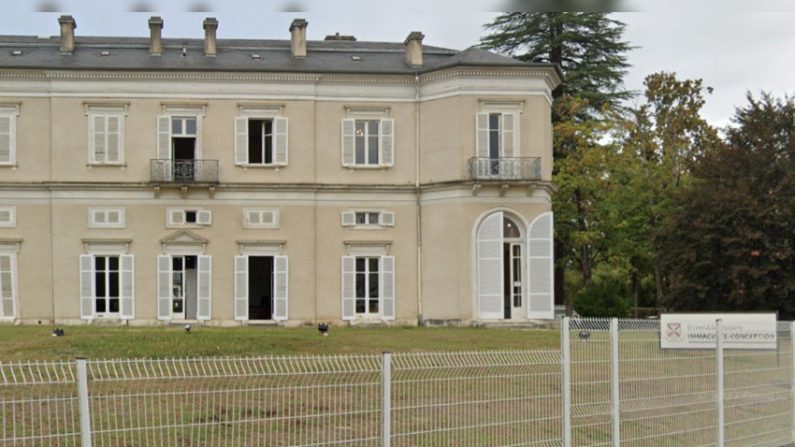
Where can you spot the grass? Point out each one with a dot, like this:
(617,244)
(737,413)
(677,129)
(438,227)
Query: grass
(20,343)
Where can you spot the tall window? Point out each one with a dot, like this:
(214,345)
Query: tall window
(8,134)
(367,285)
(7,286)
(107,146)
(497,135)
(367,132)
(107,284)
(367,142)
(261,141)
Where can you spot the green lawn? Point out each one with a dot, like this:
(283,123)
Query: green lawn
(37,343)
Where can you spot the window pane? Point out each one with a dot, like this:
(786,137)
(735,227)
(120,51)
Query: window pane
(510,229)
(373,285)
(190,216)
(99,263)
(360,143)
(373,306)
(361,288)
(361,218)
(360,306)
(373,264)
(113,263)
(255,141)
(176,263)
(100,305)
(268,149)
(360,263)
(372,218)
(114,305)
(494,135)
(99,284)
(176,126)
(113,283)
(190,125)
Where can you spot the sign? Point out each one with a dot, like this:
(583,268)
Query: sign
(697,331)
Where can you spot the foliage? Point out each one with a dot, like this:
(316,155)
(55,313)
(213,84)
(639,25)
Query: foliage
(730,242)
(607,296)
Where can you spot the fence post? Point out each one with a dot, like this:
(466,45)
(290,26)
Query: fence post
(615,383)
(84,408)
(565,350)
(386,399)
(719,381)
(792,373)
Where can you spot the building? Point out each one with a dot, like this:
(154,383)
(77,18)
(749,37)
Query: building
(283,181)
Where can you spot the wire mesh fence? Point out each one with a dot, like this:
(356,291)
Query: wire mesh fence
(610,384)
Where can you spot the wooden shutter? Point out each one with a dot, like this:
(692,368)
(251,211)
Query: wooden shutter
(387,285)
(348,142)
(164,146)
(241,288)
(164,287)
(98,132)
(87,287)
(281,278)
(387,218)
(241,140)
(348,287)
(204,217)
(482,135)
(280,131)
(7,137)
(387,136)
(8,272)
(490,268)
(113,140)
(540,259)
(204,294)
(127,286)
(509,134)
(348,218)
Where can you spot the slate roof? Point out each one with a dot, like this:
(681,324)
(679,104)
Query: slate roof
(131,53)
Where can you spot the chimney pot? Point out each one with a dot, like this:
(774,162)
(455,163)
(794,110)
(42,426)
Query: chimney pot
(210,44)
(68,26)
(298,37)
(413,45)
(155,38)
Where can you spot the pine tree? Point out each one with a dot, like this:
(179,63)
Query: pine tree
(587,46)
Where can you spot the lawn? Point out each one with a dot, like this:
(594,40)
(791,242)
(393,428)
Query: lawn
(37,343)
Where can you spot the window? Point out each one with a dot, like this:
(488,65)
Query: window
(178,134)
(368,218)
(368,287)
(7,285)
(106,138)
(497,136)
(188,217)
(260,218)
(8,134)
(367,142)
(261,141)
(106,286)
(106,218)
(8,216)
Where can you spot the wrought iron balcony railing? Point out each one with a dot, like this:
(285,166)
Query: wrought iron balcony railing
(525,168)
(184,171)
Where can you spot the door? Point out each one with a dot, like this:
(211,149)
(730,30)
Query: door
(260,287)
(183,147)
(184,283)
(515,267)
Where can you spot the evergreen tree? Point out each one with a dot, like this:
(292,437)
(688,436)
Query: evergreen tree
(587,46)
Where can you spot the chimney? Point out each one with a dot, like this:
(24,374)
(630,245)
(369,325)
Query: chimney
(68,26)
(413,45)
(298,37)
(210,26)
(155,41)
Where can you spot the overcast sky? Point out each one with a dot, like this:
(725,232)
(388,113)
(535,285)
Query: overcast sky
(733,50)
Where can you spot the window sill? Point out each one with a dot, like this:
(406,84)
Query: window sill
(123,166)
(366,227)
(367,167)
(264,227)
(106,227)
(192,226)
(13,166)
(246,167)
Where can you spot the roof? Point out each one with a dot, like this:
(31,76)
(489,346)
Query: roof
(333,56)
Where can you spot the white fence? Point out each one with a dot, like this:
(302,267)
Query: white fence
(609,384)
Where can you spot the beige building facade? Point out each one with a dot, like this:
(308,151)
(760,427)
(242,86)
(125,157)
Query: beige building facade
(229,182)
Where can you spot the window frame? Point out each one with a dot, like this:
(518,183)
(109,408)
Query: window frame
(93,212)
(366,137)
(106,272)
(247,223)
(279,136)
(11,253)
(106,115)
(386,219)
(12,220)
(368,299)
(171,223)
(10,111)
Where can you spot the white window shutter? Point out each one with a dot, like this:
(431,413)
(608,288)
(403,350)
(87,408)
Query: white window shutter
(281,278)
(387,287)
(241,140)
(7,136)
(8,273)
(114,139)
(204,292)
(509,148)
(204,217)
(164,287)
(98,146)
(176,217)
(280,132)
(540,268)
(348,218)
(490,268)
(482,135)
(241,288)
(348,142)
(348,287)
(87,287)
(127,289)
(387,218)
(164,137)
(387,136)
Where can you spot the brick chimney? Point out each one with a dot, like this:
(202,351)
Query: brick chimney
(155,39)
(413,45)
(68,26)
(298,37)
(210,44)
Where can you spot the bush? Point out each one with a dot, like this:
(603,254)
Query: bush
(607,296)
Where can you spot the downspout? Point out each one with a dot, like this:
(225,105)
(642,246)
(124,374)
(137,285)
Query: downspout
(48,182)
(418,193)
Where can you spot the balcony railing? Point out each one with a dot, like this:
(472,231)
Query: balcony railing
(184,171)
(483,168)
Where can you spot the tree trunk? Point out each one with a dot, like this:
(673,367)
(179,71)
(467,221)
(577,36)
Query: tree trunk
(658,283)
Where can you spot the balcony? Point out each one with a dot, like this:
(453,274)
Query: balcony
(184,171)
(525,168)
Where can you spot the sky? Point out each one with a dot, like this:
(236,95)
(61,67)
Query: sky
(733,49)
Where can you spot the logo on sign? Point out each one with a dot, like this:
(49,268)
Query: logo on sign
(673,332)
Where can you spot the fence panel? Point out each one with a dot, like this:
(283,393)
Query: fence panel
(38,404)
(476,399)
(590,382)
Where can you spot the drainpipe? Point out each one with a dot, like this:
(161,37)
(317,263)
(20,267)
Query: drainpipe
(421,319)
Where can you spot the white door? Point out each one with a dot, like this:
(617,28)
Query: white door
(515,275)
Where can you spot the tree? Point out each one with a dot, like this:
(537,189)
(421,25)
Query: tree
(730,243)
(587,46)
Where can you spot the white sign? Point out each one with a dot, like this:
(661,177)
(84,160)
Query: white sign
(697,331)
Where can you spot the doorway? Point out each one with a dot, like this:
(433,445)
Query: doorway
(184,285)
(501,264)
(260,287)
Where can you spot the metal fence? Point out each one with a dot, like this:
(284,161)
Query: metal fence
(609,384)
